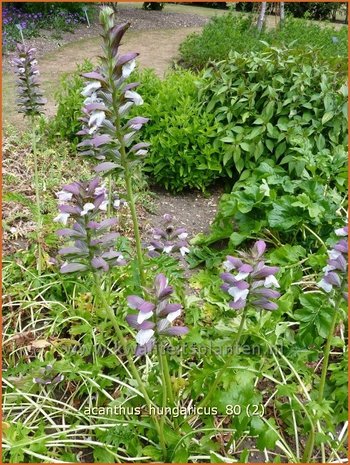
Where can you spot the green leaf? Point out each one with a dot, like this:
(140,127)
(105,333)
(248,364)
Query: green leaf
(245,146)
(315,315)
(327,117)
(287,254)
(103,455)
(237,239)
(268,438)
(154,452)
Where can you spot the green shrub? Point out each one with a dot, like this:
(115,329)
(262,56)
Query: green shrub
(313,10)
(183,153)
(219,36)
(69,103)
(275,104)
(236,33)
(267,202)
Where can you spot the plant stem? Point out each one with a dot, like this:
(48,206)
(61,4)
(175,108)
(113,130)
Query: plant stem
(224,368)
(164,363)
(129,190)
(164,386)
(134,219)
(37,197)
(167,378)
(309,447)
(110,195)
(132,365)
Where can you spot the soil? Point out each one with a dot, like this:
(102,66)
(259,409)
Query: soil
(191,210)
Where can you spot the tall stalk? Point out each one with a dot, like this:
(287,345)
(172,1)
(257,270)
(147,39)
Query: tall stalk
(133,367)
(37,196)
(227,364)
(309,447)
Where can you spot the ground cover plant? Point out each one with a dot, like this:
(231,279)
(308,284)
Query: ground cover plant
(238,33)
(25,20)
(115,352)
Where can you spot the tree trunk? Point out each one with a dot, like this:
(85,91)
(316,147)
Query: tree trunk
(261,18)
(346,13)
(282,14)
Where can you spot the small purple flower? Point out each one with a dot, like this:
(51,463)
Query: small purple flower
(335,272)
(168,239)
(249,280)
(161,313)
(47,377)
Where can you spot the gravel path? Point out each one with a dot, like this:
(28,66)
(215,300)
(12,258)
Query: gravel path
(140,20)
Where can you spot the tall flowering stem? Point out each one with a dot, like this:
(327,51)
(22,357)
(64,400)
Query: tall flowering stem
(91,249)
(250,283)
(155,320)
(334,284)
(108,136)
(30,102)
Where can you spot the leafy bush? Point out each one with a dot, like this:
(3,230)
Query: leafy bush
(267,202)
(231,32)
(69,103)
(218,37)
(275,105)
(183,153)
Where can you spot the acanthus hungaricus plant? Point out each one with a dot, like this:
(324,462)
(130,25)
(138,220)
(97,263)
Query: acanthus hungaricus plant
(253,281)
(93,242)
(108,136)
(156,318)
(30,99)
(168,239)
(30,102)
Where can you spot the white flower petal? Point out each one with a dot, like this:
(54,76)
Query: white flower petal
(124,108)
(324,285)
(334,254)
(144,336)
(64,196)
(228,265)
(182,235)
(87,207)
(238,293)
(240,276)
(168,249)
(184,251)
(100,190)
(128,68)
(97,118)
(90,88)
(141,317)
(62,218)
(134,96)
(141,152)
(271,281)
(103,206)
(341,232)
(173,315)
